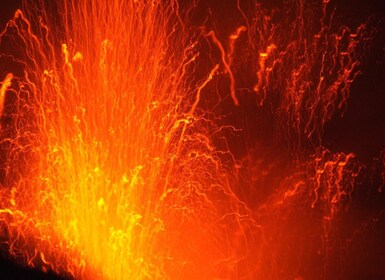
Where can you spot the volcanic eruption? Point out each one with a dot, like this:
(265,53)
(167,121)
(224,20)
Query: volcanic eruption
(172,139)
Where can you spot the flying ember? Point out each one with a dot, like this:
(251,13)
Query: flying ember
(172,139)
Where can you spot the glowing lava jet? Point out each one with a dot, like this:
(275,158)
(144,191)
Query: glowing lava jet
(119,155)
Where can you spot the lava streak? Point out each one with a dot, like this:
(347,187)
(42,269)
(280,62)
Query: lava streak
(140,140)
(110,171)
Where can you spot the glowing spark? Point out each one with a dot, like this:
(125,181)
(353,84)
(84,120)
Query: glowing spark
(5,85)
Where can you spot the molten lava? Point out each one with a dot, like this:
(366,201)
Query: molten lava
(125,155)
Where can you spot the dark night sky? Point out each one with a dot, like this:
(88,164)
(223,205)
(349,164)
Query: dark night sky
(361,130)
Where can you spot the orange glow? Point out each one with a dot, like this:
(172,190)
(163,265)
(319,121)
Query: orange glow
(5,85)
(114,153)
(119,164)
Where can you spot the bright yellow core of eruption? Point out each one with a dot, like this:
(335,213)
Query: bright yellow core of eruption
(113,175)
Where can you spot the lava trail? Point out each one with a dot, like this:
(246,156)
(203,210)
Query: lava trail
(158,139)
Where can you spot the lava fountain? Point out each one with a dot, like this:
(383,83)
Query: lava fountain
(115,172)
(120,160)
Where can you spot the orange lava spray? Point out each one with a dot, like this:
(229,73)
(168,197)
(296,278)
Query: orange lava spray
(110,171)
(141,141)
